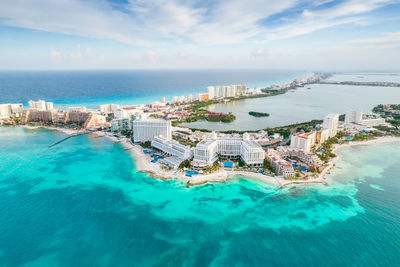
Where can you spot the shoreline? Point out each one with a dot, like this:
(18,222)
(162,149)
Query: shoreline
(154,170)
(337,147)
(143,163)
(53,128)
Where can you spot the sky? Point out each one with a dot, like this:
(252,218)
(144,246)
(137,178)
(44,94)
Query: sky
(205,34)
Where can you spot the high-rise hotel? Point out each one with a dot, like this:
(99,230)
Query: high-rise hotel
(146,129)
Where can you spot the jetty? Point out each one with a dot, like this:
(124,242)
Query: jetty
(66,138)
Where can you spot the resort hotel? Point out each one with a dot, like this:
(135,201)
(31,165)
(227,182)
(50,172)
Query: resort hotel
(357,117)
(305,141)
(10,110)
(207,151)
(175,151)
(146,129)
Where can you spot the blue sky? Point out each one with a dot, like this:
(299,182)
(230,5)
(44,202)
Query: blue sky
(150,34)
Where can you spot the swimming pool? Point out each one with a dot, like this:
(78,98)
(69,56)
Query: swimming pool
(190,173)
(228,164)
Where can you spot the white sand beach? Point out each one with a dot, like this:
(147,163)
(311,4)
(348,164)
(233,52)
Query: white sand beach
(59,129)
(144,164)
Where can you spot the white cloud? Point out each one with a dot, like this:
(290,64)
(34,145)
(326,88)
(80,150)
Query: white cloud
(55,55)
(388,37)
(348,12)
(260,53)
(77,54)
(166,22)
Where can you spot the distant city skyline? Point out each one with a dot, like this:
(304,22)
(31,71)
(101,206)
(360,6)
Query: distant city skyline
(125,34)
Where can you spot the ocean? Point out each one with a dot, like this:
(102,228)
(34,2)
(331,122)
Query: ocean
(93,88)
(82,203)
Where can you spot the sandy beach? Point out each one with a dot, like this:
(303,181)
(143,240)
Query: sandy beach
(155,170)
(144,164)
(63,130)
(331,164)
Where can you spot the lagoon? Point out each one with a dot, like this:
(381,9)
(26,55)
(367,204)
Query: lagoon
(300,105)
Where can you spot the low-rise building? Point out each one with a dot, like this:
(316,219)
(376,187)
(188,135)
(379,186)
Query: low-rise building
(119,125)
(108,108)
(357,117)
(282,167)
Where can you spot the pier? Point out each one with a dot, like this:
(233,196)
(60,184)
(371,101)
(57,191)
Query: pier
(66,138)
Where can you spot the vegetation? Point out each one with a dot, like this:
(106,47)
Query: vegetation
(185,142)
(212,168)
(258,114)
(211,116)
(363,137)
(184,164)
(146,144)
(327,146)
(110,117)
(394,122)
(127,133)
(269,167)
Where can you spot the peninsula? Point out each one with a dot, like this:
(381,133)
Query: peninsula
(298,153)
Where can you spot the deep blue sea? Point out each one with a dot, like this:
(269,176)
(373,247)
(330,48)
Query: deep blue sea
(92,88)
(82,203)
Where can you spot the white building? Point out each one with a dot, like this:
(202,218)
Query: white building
(331,122)
(357,117)
(146,129)
(353,116)
(322,136)
(207,151)
(8,110)
(175,99)
(211,92)
(229,148)
(172,148)
(181,99)
(251,152)
(108,108)
(40,105)
(49,106)
(119,125)
(189,99)
(120,113)
(163,100)
(218,92)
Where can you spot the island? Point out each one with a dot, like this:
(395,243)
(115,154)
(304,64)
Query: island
(258,114)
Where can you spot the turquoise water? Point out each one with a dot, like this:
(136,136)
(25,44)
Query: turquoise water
(81,203)
(367,77)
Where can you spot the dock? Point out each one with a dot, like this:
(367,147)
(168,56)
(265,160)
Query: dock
(66,138)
